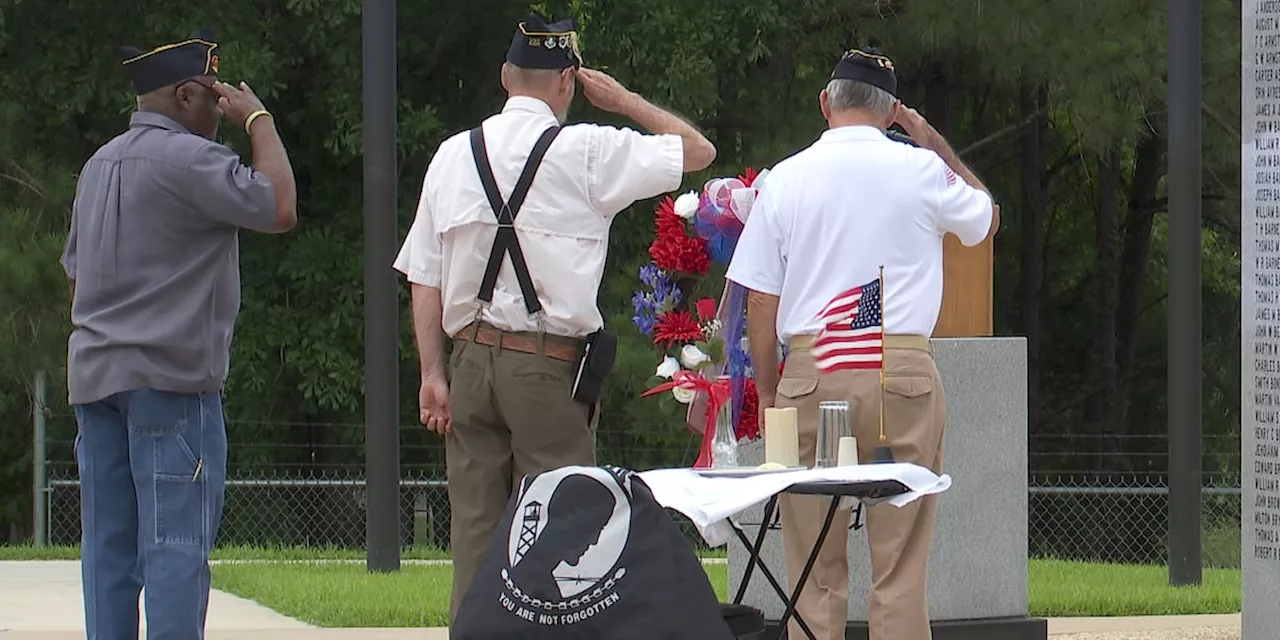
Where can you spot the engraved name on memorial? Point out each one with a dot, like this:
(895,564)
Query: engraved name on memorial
(1260,317)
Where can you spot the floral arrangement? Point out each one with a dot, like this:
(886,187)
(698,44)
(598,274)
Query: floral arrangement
(701,343)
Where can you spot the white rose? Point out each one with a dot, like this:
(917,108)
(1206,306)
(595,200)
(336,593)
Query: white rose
(693,357)
(668,368)
(683,396)
(687,205)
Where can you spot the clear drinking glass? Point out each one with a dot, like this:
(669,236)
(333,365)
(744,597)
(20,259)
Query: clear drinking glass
(833,423)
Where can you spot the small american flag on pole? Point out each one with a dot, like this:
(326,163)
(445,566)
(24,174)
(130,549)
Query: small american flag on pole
(853,336)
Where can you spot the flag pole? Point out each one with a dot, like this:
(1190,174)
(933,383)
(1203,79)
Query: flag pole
(883,454)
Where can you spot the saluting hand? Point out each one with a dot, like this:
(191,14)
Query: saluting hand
(237,104)
(433,405)
(915,125)
(603,91)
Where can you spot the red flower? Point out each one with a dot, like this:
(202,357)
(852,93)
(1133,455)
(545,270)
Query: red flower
(675,327)
(748,427)
(667,224)
(674,250)
(665,254)
(749,176)
(681,254)
(695,258)
(706,309)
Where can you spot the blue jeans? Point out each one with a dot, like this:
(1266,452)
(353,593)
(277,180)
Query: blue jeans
(153,468)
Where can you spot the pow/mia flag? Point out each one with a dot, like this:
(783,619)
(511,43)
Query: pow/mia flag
(585,552)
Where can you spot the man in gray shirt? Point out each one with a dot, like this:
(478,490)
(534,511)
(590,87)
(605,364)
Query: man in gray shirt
(153,262)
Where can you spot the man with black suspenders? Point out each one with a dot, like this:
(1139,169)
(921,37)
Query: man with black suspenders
(530,352)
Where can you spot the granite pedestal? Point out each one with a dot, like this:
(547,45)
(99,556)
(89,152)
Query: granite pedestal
(978,566)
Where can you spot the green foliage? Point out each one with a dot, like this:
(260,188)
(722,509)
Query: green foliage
(748,73)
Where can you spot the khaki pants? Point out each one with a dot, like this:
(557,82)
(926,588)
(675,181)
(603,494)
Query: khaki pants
(512,415)
(899,537)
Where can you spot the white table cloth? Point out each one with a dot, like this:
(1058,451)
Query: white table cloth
(710,503)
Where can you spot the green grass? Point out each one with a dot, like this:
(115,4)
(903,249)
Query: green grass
(27,552)
(1063,589)
(345,595)
(281,578)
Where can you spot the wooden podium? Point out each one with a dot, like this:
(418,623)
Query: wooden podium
(966,290)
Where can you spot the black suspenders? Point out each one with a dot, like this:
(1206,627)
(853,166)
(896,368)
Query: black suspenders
(505,241)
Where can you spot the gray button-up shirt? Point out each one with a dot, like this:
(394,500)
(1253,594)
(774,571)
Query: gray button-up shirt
(153,251)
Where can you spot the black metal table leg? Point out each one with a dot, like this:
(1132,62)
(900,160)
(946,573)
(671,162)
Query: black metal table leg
(804,575)
(754,549)
(768,575)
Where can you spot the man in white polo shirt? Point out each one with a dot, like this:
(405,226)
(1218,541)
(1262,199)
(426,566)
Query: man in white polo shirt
(825,221)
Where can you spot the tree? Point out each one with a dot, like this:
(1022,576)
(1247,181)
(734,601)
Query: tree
(1068,132)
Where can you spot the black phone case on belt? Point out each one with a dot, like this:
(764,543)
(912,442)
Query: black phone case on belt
(596,364)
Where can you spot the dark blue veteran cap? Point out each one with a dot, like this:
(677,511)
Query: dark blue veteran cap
(538,45)
(172,63)
(867,65)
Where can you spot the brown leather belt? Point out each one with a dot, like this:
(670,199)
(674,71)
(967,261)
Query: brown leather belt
(557,347)
(918,343)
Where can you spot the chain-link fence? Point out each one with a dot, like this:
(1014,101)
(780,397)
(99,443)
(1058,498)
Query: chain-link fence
(302,484)
(1091,498)
(1105,498)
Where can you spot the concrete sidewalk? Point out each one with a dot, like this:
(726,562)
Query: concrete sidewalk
(46,597)
(1063,626)
(277,634)
(1144,628)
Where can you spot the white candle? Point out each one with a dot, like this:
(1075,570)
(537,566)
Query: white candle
(848,454)
(781,441)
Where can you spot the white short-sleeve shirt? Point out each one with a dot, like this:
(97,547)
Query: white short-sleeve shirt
(589,174)
(828,217)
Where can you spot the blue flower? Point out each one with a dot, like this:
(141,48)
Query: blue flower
(639,301)
(644,323)
(666,294)
(649,275)
(646,308)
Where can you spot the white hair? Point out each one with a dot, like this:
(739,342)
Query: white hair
(844,95)
(524,77)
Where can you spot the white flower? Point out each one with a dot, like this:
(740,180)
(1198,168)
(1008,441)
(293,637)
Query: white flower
(668,368)
(683,396)
(712,328)
(693,357)
(687,205)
